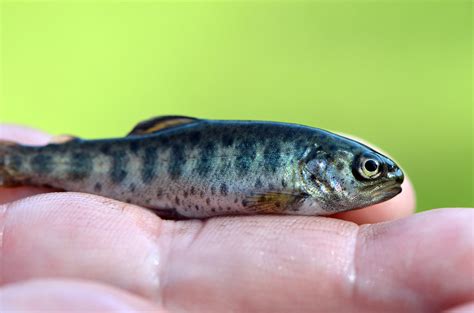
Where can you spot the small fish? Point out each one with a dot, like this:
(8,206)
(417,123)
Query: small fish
(184,167)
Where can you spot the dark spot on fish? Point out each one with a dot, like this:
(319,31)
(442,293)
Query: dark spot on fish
(270,186)
(208,201)
(312,177)
(176,200)
(213,190)
(105,148)
(236,200)
(148,201)
(185,194)
(201,194)
(42,163)
(80,166)
(204,163)
(148,170)
(159,193)
(134,146)
(227,140)
(332,148)
(129,200)
(98,187)
(272,156)
(228,208)
(283,183)
(164,141)
(197,207)
(132,187)
(118,171)
(246,155)
(245,202)
(213,210)
(193,190)
(16,162)
(258,183)
(339,166)
(195,137)
(224,189)
(177,161)
(352,182)
(277,204)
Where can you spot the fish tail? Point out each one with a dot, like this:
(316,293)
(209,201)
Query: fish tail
(9,159)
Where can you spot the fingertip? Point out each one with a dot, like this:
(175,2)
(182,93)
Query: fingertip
(395,208)
(23,134)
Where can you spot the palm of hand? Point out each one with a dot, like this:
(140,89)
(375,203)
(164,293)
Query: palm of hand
(91,253)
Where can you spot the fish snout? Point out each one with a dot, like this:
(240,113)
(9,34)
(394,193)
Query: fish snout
(395,173)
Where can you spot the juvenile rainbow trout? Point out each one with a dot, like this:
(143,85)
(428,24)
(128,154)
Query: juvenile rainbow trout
(184,167)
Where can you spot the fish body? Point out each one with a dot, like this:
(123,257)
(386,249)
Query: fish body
(193,168)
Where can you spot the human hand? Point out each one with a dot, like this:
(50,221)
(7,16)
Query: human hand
(80,252)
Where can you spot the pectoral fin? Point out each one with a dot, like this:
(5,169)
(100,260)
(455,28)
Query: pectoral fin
(274,202)
(156,124)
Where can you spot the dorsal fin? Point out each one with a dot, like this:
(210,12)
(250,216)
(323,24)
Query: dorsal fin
(158,123)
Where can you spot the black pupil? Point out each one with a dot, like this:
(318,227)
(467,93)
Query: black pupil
(371,165)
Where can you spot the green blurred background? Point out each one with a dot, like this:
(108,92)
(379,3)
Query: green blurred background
(397,73)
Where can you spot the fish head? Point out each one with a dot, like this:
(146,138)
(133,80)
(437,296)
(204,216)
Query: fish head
(343,174)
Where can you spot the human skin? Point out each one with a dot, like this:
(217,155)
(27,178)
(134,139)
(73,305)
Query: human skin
(73,251)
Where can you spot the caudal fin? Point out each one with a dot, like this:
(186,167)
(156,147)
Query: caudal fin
(7,164)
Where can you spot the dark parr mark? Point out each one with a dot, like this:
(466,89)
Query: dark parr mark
(177,161)
(105,148)
(204,164)
(148,170)
(208,201)
(98,187)
(213,190)
(134,146)
(193,190)
(16,162)
(258,183)
(227,140)
(118,172)
(224,190)
(80,166)
(272,156)
(339,166)
(246,151)
(132,187)
(194,137)
(177,200)
(245,202)
(283,183)
(42,163)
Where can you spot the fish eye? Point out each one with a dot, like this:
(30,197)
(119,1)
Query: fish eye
(369,168)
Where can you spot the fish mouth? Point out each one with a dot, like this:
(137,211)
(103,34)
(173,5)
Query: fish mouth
(388,192)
